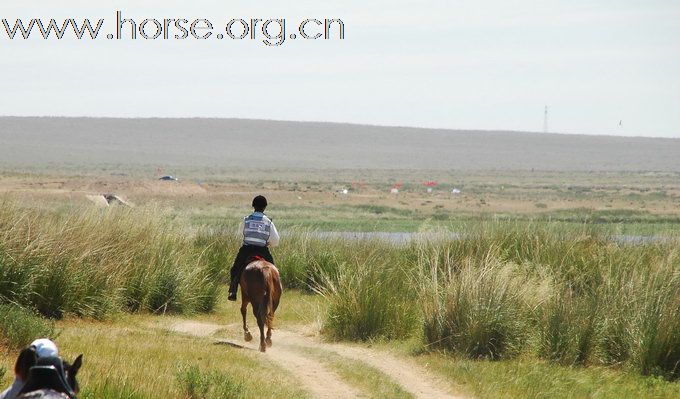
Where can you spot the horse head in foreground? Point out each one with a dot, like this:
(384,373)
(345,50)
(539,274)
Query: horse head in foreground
(261,287)
(51,375)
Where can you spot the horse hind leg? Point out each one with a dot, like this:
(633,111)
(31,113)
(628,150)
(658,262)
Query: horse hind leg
(270,321)
(270,316)
(246,333)
(257,309)
(268,340)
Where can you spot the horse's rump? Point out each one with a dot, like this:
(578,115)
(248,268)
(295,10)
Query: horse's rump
(261,284)
(261,287)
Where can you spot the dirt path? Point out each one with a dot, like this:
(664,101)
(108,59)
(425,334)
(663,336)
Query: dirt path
(315,375)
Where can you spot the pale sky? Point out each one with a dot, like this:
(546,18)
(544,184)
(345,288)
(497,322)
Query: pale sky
(443,64)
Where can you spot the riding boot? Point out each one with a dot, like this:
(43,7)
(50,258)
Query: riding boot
(235,272)
(233,288)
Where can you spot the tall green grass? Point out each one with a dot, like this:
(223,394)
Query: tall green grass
(19,327)
(197,384)
(92,263)
(571,297)
(479,309)
(501,290)
(368,298)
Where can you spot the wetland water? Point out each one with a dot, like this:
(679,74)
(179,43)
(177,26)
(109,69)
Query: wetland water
(406,237)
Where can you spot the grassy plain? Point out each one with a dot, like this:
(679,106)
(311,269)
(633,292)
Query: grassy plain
(636,203)
(134,355)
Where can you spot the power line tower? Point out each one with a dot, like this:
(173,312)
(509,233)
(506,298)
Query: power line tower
(545,120)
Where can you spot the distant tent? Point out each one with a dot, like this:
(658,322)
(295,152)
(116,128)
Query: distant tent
(430,186)
(394,190)
(114,199)
(98,200)
(106,200)
(455,191)
(168,178)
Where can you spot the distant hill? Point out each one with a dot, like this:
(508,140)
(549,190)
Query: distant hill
(261,144)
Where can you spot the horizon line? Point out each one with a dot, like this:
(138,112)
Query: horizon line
(341,123)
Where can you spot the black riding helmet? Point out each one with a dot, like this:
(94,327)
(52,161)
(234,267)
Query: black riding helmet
(259,203)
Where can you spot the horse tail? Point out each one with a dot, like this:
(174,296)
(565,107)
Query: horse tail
(268,297)
(262,304)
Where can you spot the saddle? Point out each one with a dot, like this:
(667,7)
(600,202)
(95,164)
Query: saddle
(254,258)
(48,373)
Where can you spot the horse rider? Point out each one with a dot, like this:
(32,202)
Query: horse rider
(40,348)
(259,233)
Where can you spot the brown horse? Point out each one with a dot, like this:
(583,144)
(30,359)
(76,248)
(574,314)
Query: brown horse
(261,287)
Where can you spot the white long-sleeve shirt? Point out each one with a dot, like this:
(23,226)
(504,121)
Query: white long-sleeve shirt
(273,237)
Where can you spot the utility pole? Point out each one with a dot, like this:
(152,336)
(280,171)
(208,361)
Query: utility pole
(545,120)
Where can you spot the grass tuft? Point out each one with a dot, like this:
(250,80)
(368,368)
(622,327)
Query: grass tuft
(197,384)
(93,263)
(478,311)
(19,327)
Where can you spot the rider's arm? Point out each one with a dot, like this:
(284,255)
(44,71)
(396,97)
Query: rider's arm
(273,237)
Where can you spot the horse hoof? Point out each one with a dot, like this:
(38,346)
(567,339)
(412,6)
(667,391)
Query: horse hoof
(263,348)
(268,341)
(248,337)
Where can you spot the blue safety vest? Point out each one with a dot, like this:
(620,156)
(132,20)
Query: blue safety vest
(256,229)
